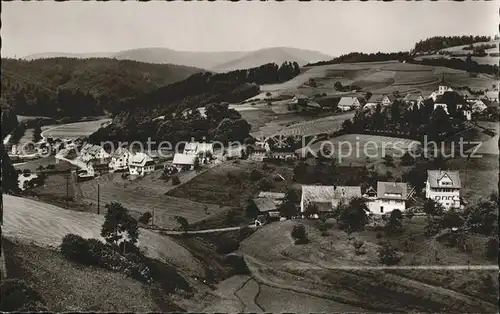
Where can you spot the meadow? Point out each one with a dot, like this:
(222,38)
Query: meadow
(75,130)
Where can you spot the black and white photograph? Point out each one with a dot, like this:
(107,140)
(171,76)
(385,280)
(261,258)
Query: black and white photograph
(250,156)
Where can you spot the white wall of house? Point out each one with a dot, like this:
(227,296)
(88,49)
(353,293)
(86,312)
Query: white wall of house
(120,163)
(448,197)
(384,206)
(444,106)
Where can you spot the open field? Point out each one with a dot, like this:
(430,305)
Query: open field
(75,130)
(378,78)
(145,194)
(65,286)
(46,225)
(229,183)
(313,269)
(355,148)
(480,60)
(312,127)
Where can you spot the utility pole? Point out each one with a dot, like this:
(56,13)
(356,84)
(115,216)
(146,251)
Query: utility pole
(67,187)
(98,198)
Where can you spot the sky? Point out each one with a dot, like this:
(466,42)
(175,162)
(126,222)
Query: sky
(333,28)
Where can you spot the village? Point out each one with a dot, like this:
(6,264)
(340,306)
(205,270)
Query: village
(382,197)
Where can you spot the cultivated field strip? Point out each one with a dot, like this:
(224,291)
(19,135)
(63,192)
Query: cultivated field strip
(74,130)
(46,225)
(313,127)
(140,199)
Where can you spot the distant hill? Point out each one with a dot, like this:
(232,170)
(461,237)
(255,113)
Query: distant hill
(215,61)
(277,55)
(81,87)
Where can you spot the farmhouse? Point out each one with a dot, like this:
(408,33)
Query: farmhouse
(388,197)
(326,197)
(92,152)
(414,100)
(443,186)
(442,105)
(348,103)
(199,148)
(441,90)
(119,159)
(478,106)
(386,100)
(491,95)
(184,161)
(257,154)
(140,164)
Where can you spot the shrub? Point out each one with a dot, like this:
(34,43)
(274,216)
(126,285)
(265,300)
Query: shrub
(40,168)
(264,184)
(491,248)
(176,180)
(16,296)
(237,263)
(299,234)
(358,247)
(245,232)
(145,218)
(227,245)
(77,249)
(51,167)
(26,172)
(255,175)
(388,255)
(268,94)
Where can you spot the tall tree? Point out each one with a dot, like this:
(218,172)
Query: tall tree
(119,226)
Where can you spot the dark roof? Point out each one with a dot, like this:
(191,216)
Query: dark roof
(392,190)
(265,204)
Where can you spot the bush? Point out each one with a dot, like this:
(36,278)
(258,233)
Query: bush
(491,248)
(40,168)
(238,264)
(227,245)
(245,232)
(388,255)
(51,167)
(358,247)
(264,184)
(76,249)
(255,175)
(299,234)
(26,172)
(145,218)
(16,296)
(176,180)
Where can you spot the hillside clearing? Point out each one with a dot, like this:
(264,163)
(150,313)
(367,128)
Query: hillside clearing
(46,225)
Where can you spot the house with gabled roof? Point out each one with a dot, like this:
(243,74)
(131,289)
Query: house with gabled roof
(387,100)
(390,196)
(444,186)
(91,152)
(348,103)
(327,197)
(119,159)
(184,161)
(415,100)
(140,164)
(491,95)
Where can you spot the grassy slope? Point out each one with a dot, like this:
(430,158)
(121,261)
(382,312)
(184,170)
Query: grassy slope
(65,286)
(274,260)
(46,225)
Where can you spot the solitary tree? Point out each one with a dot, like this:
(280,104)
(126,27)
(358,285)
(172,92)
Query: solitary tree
(353,217)
(395,224)
(299,234)
(183,223)
(119,226)
(37,133)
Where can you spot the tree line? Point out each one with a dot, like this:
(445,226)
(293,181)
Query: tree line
(355,57)
(468,65)
(441,42)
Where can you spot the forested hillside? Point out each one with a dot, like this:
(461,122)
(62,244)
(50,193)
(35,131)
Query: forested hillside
(80,87)
(441,42)
(137,119)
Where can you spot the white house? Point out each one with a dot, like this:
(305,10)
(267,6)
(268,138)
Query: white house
(414,100)
(197,148)
(184,161)
(389,196)
(441,90)
(479,106)
(444,106)
(140,164)
(348,103)
(491,95)
(119,159)
(91,152)
(443,186)
(327,197)
(387,100)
